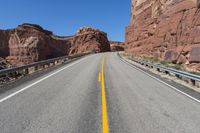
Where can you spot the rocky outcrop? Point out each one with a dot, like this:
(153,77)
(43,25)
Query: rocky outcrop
(169,29)
(87,39)
(117,46)
(30,43)
(4,38)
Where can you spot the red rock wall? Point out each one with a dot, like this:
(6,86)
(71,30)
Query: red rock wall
(169,29)
(31,43)
(87,39)
(4,38)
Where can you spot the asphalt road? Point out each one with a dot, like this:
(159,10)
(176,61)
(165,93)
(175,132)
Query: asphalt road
(69,100)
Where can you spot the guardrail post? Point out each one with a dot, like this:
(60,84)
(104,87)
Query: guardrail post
(36,68)
(26,71)
(178,76)
(193,82)
(166,72)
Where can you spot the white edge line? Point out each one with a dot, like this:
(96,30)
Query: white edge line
(161,81)
(36,82)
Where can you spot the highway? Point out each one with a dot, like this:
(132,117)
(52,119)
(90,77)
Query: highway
(97,94)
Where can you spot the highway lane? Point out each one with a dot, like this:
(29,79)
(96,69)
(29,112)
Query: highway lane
(138,103)
(67,102)
(70,101)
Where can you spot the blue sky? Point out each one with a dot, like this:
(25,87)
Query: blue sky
(64,17)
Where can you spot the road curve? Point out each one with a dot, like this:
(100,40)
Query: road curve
(69,100)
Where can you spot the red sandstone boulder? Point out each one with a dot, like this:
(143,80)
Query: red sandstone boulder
(195,55)
(171,55)
(87,39)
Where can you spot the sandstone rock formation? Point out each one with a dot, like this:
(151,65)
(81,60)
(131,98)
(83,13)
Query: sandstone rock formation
(87,39)
(169,29)
(117,46)
(4,38)
(30,43)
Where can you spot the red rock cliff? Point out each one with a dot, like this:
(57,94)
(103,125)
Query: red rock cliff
(87,39)
(169,29)
(4,38)
(30,43)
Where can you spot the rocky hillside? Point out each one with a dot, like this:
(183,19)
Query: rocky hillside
(30,43)
(168,29)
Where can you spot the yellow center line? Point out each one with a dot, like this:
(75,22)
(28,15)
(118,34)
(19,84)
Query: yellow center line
(99,77)
(105,127)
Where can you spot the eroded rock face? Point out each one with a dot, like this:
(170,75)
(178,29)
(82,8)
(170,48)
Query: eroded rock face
(4,38)
(87,39)
(169,29)
(117,46)
(30,43)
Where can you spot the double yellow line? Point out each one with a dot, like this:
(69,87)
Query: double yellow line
(105,127)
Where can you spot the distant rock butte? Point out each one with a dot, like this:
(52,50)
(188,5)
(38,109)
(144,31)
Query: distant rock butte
(168,29)
(117,46)
(30,43)
(87,39)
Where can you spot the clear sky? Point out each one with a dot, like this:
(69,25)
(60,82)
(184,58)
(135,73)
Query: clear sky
(64,17)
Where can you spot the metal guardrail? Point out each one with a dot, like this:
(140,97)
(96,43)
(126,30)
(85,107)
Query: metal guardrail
(169,70)
(35,65)
(178,73)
